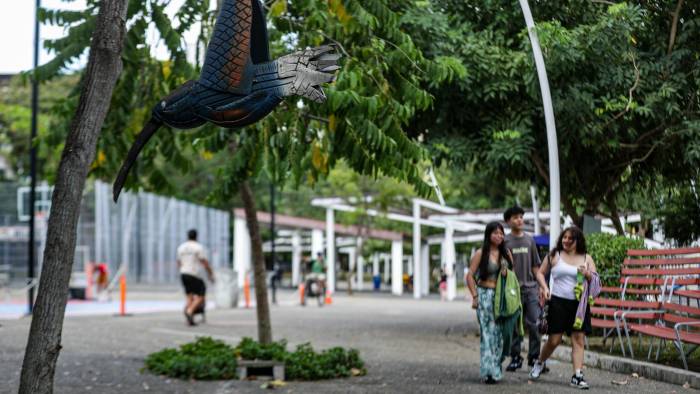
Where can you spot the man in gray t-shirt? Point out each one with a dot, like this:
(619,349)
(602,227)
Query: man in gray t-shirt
(526,262)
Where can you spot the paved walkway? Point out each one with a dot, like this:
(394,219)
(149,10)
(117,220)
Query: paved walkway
(424,346)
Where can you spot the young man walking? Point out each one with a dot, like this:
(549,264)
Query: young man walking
(190,259)
(526,262)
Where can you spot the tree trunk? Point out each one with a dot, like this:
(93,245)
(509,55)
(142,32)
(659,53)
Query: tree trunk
(571,211)
(103,69)
(259,272)
(615,217)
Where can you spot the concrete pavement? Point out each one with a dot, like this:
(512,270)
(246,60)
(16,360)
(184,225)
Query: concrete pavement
(424,346)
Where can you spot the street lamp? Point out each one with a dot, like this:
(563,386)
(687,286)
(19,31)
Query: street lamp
(32,163)
(552,148)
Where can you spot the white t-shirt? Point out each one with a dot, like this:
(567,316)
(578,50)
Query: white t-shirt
(189,254)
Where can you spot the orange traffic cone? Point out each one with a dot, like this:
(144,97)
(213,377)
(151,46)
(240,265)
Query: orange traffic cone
(246,292)
(328,299)
(301,294)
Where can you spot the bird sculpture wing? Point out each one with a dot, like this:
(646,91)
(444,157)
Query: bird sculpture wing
(238,42)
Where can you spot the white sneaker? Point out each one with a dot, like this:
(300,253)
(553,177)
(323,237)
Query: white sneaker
(579,382)
(536,370)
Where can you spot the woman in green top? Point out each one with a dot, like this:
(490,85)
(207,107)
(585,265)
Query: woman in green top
(493,258)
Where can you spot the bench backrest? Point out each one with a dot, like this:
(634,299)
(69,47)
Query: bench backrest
(661,268)
(677,313)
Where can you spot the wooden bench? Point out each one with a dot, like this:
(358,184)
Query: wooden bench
(648,278)
(672,322)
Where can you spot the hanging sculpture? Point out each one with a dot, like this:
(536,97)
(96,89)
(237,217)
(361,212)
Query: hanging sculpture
(239,84)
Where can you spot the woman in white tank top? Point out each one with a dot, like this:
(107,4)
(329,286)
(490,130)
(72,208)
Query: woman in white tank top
(566,261)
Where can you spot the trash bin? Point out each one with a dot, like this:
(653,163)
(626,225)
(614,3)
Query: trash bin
(226,288)
(377,282)
(77,285)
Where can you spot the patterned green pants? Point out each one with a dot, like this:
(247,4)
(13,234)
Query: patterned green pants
(491,337)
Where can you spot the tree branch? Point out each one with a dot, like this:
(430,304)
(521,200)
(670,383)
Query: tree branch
(541,168)
(674,26)
(629,100)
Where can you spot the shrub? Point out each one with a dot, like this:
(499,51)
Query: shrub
(208,359)
(609,252)
(305,364)
(203,359)
(249,349)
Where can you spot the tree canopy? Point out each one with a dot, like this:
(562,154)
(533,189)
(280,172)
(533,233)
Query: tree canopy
(624,81)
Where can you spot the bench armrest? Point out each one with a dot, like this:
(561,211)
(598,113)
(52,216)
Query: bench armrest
(690,323)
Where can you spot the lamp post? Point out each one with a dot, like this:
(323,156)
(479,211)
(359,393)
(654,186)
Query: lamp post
(32,163)
(552,147)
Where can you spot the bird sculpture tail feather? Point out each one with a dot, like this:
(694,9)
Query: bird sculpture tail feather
(146,133)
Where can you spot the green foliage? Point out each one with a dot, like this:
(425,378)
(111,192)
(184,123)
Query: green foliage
(203,359)
(381,86)
(679,214)
(626,105)
(15,124)
(609,252)
(306,364)
(209,359)
(250,349)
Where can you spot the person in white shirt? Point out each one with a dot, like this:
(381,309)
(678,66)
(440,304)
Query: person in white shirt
(191,258)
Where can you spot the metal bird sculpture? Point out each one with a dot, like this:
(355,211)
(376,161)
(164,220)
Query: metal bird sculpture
(239,84)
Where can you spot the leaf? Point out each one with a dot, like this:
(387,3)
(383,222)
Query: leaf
(278,8)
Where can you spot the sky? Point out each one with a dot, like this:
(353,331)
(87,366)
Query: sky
(17,33)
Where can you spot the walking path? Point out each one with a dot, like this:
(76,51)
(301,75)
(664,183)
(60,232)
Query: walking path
(424,346)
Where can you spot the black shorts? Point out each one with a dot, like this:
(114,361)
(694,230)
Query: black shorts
(193,285)
(561,316)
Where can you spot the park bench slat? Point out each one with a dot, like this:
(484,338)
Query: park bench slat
(662,252)
(691,310)
(602,323)
(603,311)
(665,333)
(695,294)
(660,271)
(625,304)
(676,261)
(658,281)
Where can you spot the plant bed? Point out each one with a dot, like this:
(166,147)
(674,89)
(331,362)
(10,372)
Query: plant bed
(209,359)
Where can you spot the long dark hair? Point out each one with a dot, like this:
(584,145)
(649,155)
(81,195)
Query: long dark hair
(486,249)
(577,235)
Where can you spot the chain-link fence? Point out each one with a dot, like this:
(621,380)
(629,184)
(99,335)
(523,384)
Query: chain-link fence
(139,235)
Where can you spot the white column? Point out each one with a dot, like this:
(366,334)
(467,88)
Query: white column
(296,257)
(397,267)
(360,266)
(449,261)
(316,243)
(535,208)
(425,269)
(241,249)
(375,264)
(387,267)
(416,250)
(330,250)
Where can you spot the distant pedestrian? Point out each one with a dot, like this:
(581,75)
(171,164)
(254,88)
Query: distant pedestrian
(573,278)
(526,263)
(275,280)
(442,285)
(486,264)
(191,258)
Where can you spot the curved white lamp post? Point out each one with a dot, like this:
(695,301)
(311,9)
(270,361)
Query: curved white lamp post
(554,192)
